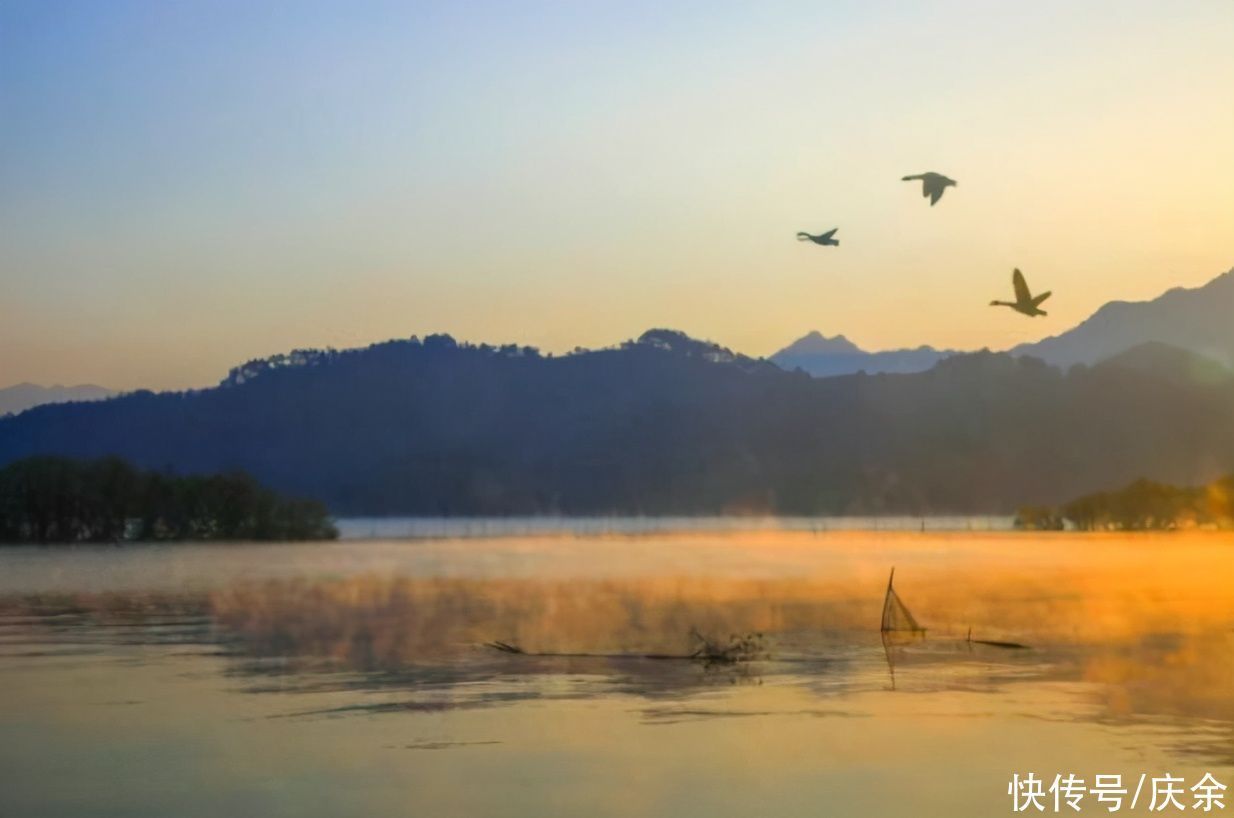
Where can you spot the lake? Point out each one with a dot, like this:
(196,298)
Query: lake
(353,679)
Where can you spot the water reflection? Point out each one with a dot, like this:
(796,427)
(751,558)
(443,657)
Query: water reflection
(584,638)
(1128,644)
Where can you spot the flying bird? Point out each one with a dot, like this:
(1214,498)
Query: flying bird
(932,185)
(1025,302)
(824,239)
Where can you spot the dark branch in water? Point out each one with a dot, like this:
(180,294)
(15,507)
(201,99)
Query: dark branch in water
(747,648)
(995,643)
(504,647)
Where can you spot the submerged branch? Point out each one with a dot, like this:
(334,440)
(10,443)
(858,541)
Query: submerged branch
(747,648)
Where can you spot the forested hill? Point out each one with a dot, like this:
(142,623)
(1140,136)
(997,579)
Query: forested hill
(664,424)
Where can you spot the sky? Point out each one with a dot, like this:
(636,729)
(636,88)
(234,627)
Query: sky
(188,185)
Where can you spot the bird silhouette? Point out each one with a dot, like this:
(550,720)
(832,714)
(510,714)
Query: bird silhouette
(932,185)
(1025,302)
(825,239)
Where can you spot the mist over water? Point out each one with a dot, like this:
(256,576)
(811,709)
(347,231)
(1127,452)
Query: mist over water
(372,528)
(352,678)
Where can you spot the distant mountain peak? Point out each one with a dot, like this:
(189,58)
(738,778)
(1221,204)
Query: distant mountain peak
(821,356)
(815,343)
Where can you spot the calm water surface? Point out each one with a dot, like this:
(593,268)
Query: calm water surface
(351,679)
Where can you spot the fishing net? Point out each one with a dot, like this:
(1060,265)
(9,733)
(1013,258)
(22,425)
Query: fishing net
(896,616)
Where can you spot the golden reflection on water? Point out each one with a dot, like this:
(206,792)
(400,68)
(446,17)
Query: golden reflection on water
(1131,656)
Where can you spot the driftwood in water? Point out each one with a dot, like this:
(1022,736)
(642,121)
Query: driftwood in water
(994,643)
(745,648)
(739,648)
(504,647)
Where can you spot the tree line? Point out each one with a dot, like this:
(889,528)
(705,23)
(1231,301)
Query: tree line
(46,499)
(1143,505)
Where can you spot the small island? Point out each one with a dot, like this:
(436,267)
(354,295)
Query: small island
(1143,505)
(108,500)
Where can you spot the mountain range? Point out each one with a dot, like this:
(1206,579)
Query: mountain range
(664,424)
(1199,319)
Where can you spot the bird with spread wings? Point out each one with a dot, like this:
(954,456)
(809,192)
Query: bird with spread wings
(932,185)
(1025,302)
(824,239)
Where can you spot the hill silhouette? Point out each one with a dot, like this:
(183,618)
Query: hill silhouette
(20,397)
(663,424)
(1178,366)
(1196,319)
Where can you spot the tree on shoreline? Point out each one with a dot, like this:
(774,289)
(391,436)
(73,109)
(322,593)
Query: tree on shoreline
(1143,505)
(62,500)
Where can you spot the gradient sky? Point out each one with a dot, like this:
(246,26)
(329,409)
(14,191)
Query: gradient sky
(184,186)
